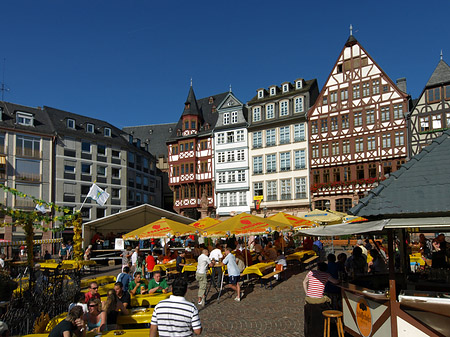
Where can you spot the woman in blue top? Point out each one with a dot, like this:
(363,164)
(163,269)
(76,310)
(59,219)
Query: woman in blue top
(233,273)
(95,318)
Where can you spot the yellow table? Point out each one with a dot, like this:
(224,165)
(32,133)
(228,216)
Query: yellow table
(148,299)
(299,255)
(127,332)
(190,267)
(102,290)
(136,316)
(258,268)
(165,266)
(100,280)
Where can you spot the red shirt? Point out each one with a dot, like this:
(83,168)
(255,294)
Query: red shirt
(307,243)
(316,283)
(150,260)
(88,296)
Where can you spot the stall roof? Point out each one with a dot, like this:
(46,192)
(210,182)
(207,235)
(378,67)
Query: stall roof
(345,228)
(134,218)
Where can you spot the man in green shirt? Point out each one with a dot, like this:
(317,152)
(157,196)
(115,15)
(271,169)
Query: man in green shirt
(156,285)
(137,287)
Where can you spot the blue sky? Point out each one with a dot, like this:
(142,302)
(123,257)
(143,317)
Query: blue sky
(130,62)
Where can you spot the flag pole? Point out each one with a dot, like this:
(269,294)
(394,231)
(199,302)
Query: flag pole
(82,224)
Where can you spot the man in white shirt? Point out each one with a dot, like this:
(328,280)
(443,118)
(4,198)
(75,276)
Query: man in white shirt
(360,244)
(203,263)
(134,256)
(2,261)
(216,254)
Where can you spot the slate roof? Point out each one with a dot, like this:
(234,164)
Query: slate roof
(309,84)
(420,188)
(441,75)
(190,106)
(156,135)
(42,121)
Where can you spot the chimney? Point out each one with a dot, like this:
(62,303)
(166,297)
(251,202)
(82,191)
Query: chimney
(401,84)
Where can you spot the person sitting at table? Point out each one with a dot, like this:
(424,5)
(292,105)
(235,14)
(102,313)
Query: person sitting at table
(260,257)
(233,273)
(439,252)
(181,261)
(112,307)
(122,295)
(47,255)
(257,246)
(92,292)
(156,285)
(79,300)
(136,286)
(377,265)
(140,266)
(356,264)
(124,277)
(95,318)
(73,324)
(270,252)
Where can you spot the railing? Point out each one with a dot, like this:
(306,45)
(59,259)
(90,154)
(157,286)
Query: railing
(25,152)
(287,168)
(300,195)
(29,177)
(300,167)
(286,196)
(24,203)
(272,198)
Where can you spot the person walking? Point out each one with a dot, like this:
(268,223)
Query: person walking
(176,316)
(202,267)
(233,273)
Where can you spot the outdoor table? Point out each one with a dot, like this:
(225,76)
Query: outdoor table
(126,332)
(258,268)
(190,267)
(165,266)
(136,316)
(148,299)
(100,280)
(300,255)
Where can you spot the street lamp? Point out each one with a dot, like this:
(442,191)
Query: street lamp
(265,211)
(327,205)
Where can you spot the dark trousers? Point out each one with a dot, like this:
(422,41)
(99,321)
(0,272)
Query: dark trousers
(313,326)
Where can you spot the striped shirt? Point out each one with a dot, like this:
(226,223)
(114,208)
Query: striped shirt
(176,317)
(316,283)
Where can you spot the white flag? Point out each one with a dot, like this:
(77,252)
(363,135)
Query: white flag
(97,194)
(41,208)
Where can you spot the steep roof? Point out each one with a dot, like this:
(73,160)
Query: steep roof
(190,106)
(420,188)
(441,75)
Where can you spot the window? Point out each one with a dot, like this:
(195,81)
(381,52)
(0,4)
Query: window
(333,97)
(447,117)
(107,132)
(323,125)
(234,117)
(343,205)
(243,198)
(347,174)
(326,175)
(447,92)
(28,170)
(221,157)
(256,114)
(386,141)
(346,146)
(230,137)
(315,151)
(325,100)
(222,177)
(298,85)
(260,94)
(336,174)
(433,95)
(270,111)
(385,111)
(298,104)
(270,137)
(335,148)
(257,139)
(345,123)
(85,168)
(115,173)
(300,188)
(325,150)
(223,199)
(233,199)
(240,155)
(272,91)
(284,108)
(258,189)
(240,136)
(231,177)
(28,146)
(398,111)
(24,118)
(101,150)
(371,143)
(399,138)
(240,175)
(334,123)
(436,120)
(286,193)
(86,147)
(285,137)
(271,190)
(356,93)
(285,161)
(359,171)
(344,94)
(271,163)
(101,171)
(359,144)
(365,89)
(115,193)
(314,127)
(299,132)
(385,88)
(230,156)
(357,118)
(387,168)
(90,128)
(316,176)
(226,118)
(424,123)
(257,165)
(375,87)
(69,167)
(372,171)
(220,139)
(300,159)
(70,123)
(370,116)
(285,87)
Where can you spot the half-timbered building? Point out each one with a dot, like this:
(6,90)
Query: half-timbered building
(431,113)
(357,129)
(190,156)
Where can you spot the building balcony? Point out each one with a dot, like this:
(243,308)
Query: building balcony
(29,177)
(29,153)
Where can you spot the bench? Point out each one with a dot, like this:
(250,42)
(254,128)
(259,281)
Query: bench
(171,272)
(310,262)
(268,277)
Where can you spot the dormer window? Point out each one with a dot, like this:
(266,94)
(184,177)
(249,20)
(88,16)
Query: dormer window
(186,125)
(285,87)
(107,132)
(226,118)
(138,142)
(130,139)
(299,84)
(90,128)
(260,93)
(24,118)
(211,100)
(193,125)
(272,91)
(70,123)
(234,117)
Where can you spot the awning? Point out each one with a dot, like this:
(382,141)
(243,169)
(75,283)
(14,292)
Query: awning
(345,228)
(432,223)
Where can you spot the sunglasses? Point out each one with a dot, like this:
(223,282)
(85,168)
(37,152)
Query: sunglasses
(95,288)
(92,305)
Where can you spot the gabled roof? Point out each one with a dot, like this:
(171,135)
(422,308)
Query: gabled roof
(441,75)
(420,188)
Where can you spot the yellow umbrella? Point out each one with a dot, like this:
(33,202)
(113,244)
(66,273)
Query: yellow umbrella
(352,218)
(292,220)
(323,217)
(245,224)
(159,229)
(204,223)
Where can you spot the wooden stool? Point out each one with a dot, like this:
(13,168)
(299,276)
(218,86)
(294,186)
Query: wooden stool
(329,314)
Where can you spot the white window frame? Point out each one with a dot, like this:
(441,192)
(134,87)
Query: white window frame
(285,161)
(271,163)
(90,128)
(107,132)
(300,159)
(270,111)
(300,188)
(299,132)
(240,136)
(285,87)
(257,139)
(234,117)
(260,93)
(256,112)
(273,91)
(226,118)
(23,118)
(284,108)
(271,139)
(70,123)
(221,138)
(298,104)
(298,85)
(285,135)
(257,165)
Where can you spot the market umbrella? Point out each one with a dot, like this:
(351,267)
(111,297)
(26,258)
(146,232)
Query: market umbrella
(324,217)
(292,220)
(204,223)
(160,229)
(352,219)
